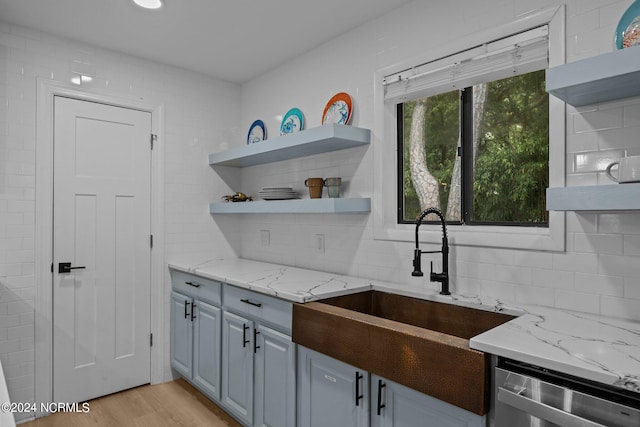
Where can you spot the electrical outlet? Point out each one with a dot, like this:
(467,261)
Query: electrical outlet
(319,243)
(265,238)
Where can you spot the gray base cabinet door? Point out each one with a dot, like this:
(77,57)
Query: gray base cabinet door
(237,366)
(206,348)
(331,393)
(275,379)
(181,334)
(394,405)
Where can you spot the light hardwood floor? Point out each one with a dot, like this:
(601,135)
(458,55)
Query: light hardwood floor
(174,403)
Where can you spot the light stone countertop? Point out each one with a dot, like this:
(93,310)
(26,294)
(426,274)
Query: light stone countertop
(601,349)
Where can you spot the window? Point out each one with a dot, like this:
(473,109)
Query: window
(480,154)
(529,44)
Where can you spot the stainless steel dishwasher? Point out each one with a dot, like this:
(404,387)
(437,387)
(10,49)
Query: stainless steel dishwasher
(527,395)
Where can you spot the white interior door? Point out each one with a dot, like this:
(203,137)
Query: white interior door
(102,187)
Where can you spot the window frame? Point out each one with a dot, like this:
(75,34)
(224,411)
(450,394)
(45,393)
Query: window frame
(466,167)
(385,215)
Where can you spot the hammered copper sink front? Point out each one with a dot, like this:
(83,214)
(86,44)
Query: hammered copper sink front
(421,344)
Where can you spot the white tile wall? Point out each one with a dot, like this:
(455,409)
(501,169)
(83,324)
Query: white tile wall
(201,114)
(598,273)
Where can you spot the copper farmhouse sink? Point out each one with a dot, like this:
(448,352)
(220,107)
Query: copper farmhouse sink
(420,344)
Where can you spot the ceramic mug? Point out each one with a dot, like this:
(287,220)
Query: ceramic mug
(628,169)
(333,186)
(315,187)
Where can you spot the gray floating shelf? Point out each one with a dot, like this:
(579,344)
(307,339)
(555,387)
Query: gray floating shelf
(602,78)
(322,139)
(595,198)
(328,205)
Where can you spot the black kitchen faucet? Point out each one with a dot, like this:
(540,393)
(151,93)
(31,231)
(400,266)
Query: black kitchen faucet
(417,253)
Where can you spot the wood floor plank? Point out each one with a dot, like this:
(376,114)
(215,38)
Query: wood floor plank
(172,404)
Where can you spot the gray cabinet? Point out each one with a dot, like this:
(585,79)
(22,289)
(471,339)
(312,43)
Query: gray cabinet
(394,405)
(237,366)
(196,320)
(258,361)
(206,348)
(181,334)
(330,392)
(275,379)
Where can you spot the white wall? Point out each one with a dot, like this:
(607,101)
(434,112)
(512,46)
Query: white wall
(201,113)
(598,273)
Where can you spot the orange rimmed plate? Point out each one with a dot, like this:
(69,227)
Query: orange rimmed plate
(338,109)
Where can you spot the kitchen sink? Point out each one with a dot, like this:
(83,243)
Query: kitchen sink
(421,344)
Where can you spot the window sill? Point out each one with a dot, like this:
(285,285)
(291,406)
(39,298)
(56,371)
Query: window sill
(526,238)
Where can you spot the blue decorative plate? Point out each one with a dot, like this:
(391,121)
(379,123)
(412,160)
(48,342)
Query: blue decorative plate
(292,122)
(628,29)
(257,132)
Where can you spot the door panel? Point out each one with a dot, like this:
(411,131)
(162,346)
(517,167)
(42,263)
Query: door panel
(275,379)
(206,356)
(102,188)
(181,334)
(331,392)
(237,365)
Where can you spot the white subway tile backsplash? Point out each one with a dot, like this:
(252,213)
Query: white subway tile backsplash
(577,301)
(598,243)
(625,308)
(597,120)
(599,284)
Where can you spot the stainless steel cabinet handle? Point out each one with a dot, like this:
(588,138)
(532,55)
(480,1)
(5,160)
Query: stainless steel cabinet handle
(193,311)
(195,285)
(543,411)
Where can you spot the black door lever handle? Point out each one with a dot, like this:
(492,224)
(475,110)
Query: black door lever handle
(65,267)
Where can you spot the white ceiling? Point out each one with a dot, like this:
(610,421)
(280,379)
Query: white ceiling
(235,40)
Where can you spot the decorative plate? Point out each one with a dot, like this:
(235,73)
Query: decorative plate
(338,109)
(292,122)
(257,132)
(628,29)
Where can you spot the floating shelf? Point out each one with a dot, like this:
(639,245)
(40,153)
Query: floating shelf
(322,139)
(602,78)
(329,205)
(594,198)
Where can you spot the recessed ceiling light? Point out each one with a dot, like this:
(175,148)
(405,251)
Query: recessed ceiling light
(149,4)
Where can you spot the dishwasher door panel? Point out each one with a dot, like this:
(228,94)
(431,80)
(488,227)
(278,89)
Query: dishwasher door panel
(522,400)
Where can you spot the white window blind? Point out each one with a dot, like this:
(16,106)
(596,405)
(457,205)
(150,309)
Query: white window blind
(511,56)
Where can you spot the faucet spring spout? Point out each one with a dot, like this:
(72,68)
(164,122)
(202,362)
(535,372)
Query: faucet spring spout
(442,277)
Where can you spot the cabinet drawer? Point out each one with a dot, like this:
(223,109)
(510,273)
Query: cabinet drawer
(259,306)
(196,286)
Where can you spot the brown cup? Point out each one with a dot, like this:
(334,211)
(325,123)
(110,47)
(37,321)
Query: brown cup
(315,187)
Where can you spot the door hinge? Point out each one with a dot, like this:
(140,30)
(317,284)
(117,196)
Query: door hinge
(154,138)
(150,340)
(151,241)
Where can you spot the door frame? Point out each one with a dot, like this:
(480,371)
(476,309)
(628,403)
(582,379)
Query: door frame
(43,297)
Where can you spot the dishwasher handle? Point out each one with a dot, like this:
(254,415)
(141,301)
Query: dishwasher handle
(543,411)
